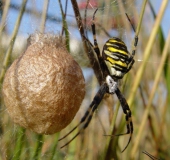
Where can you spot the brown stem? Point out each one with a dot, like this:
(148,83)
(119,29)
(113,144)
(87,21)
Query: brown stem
(88,49)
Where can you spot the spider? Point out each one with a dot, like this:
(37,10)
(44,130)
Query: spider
(115,62)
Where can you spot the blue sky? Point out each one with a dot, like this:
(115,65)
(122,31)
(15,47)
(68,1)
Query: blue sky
(30,24)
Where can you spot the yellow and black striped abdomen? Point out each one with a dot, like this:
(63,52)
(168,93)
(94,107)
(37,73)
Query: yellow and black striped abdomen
(116,55)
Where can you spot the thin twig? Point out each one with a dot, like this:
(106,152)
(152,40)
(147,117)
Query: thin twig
(44,16)
(141,71)
(19,144)
(4,15)
(13,37)
(65,25)
(38,147)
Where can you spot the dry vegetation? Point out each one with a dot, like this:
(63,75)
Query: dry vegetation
(146,88)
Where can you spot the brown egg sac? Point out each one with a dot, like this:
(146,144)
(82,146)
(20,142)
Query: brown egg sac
(44,88)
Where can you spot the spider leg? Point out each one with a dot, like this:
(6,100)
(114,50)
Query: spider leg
(96,48)
(135,45)
(89,113)
(136,38)
(130,22)
(103,66)
(127,112)
(86,116)
(112,88)
(149,155)
(81,121)
(130,65)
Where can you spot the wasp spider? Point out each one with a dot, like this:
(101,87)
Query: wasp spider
(115,62)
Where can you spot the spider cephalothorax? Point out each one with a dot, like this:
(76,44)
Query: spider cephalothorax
(114,62)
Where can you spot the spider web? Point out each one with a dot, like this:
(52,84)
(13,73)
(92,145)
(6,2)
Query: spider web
(108,19)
